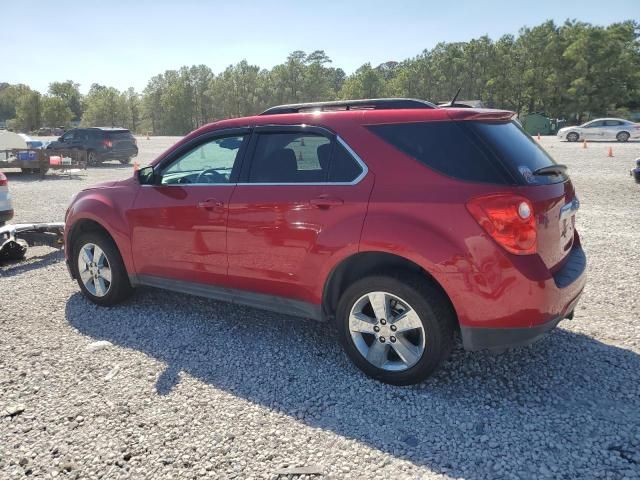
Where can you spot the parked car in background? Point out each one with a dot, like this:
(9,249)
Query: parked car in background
(6,207)
(100,143)
(396,222)
(602,129)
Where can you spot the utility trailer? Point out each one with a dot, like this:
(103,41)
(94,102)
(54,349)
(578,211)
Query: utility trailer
(41,161)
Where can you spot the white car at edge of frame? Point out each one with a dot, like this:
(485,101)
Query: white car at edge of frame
(602,129)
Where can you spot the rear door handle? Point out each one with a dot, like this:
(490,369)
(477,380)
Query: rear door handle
(326,201)
(210,204)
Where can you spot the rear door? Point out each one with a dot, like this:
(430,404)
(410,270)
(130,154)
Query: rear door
(178,225)
(301,199)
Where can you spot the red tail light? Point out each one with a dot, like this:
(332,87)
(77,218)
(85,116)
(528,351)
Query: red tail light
(3,180)
(107,143)
(509,219)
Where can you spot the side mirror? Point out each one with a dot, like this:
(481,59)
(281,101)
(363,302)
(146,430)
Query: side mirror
(146,176)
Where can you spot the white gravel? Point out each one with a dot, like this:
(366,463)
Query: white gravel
(182,387)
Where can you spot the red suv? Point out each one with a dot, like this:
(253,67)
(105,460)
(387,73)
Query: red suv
(397,222)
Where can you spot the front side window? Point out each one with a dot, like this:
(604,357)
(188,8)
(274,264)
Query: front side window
(211,162)
(301,158)
(68,137)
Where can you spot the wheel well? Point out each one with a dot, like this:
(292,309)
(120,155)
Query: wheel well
(364,264)
(85,225)
(623,131)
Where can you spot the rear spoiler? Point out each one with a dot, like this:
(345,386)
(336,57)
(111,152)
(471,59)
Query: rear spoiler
(487,114)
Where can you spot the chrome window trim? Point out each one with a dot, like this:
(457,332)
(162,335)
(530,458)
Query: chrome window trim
(355,181)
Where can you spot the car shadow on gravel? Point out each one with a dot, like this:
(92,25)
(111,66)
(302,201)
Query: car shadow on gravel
(566,406)
(11,268)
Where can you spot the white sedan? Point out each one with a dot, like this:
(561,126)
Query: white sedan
(602,129)
(6,209)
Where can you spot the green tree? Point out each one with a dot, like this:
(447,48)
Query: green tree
(28,112)
(55,112)
(68,91)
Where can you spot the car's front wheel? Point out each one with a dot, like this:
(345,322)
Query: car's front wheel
(573,137)
(396,329)
(92,158)
(622,136)
(99,269)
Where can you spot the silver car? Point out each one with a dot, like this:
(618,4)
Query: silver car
(602,129)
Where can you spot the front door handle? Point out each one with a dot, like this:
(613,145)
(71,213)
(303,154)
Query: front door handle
(210,204)
(326,201)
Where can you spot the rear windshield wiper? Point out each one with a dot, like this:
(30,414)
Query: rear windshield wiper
(551,170)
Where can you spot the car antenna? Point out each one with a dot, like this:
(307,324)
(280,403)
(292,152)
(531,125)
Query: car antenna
(455,97)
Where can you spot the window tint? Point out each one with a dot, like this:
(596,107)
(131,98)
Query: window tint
(446,147)
(209,163)
(516,150)
(612,123)
(344,167)
(289,158)
(68,137)
(594,124)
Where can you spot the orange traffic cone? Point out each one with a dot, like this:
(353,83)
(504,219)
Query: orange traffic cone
(135,166)
(584,143)
(147,135)
(610,154)
(538,135)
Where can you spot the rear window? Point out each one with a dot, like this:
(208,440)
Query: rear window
(447,147)
(499,153)
(119,134)
(517,150)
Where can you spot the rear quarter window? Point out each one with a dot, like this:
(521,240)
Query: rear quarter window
(447,147)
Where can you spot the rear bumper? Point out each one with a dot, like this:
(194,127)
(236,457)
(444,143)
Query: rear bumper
(563,294)
(5,215)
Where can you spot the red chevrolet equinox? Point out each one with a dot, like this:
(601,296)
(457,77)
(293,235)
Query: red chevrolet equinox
(399,223)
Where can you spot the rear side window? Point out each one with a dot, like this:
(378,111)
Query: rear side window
(301,158)
(516,150)
(120,135)
(447,147)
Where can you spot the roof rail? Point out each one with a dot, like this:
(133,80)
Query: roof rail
(368,104)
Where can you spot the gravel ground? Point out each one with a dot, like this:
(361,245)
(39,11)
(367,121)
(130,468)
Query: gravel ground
(170,386)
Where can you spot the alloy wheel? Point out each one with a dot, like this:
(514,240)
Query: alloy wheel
(94,269)
(387,331)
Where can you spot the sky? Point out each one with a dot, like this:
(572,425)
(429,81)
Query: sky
(124,43)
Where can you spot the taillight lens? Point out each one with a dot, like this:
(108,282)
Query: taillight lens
(3,180)
(509,219)
(107,143)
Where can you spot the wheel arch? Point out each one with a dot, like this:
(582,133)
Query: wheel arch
(81,226)
(362,264)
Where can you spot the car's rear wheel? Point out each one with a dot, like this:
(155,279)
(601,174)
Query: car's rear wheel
(99,269)
(92,158)
(27,170)
(125,161)
(572,137)
(396,329)
(622,136)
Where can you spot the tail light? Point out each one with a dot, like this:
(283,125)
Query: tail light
(107,143)
(3,180)
(509,219)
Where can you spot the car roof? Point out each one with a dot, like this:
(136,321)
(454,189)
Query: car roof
(336,118)
(106,129)
(609,118)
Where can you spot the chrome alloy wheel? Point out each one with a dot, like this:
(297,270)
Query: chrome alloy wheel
(94,269)
(386,331)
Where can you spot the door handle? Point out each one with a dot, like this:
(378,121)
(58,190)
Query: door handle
(326,201)
(210,204)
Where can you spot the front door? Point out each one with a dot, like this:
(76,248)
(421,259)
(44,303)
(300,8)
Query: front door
(179,223)
(301,199)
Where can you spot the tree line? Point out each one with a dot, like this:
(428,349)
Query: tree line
(574,71)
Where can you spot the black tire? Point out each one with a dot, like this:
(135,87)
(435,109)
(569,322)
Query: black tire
(120,287)
(125,161)
(572,137)
(27,170)
(13,250)
(92,158)
(435,313)
(623,136)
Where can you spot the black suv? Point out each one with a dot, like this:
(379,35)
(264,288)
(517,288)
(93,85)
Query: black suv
(100,143)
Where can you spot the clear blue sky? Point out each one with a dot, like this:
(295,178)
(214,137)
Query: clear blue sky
(124,43)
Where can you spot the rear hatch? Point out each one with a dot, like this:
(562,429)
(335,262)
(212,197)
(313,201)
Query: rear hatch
(122,141)
(541,180)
